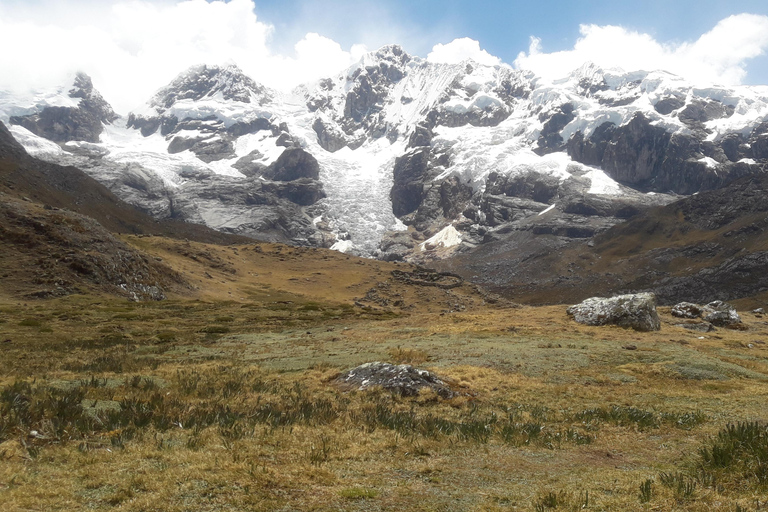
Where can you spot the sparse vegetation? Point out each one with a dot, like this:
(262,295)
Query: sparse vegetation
(230,404)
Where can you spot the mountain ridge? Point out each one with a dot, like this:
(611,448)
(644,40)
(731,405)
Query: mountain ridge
(407,148)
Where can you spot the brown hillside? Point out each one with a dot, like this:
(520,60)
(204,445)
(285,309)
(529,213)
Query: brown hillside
(22,176)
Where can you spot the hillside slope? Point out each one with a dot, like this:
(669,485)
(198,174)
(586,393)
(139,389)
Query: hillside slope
(713,245)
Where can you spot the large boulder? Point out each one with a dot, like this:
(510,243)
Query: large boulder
(402,379)
(636,311)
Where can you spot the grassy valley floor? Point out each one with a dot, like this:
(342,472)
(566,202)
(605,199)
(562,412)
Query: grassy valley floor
(223,398)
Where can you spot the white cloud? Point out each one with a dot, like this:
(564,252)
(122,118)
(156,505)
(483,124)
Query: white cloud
(460,50)
(131,48)
(719,56)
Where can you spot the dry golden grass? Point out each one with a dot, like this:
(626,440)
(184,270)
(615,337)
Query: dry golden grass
(224,399)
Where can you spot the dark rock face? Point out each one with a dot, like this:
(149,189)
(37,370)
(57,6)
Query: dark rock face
(700,111)
(409,175)
(249,165)
(541,188)
(242,128)
(647,157)
(273,211)
(635,151)
(454,197)
(64,124)
(9,147)
(739,276)
(668,105)
(421,136)
(405,380)
(396,245)
(592,150)
(302,191)
(550,139)
(293,164)
(637,312)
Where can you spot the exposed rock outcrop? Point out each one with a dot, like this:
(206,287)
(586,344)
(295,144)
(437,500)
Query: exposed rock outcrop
(646,156)
(403,379)
(293,164)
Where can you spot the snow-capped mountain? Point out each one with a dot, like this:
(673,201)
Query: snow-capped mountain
(401,157)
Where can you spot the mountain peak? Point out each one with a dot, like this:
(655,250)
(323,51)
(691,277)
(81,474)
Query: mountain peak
(90,99)
(209,81)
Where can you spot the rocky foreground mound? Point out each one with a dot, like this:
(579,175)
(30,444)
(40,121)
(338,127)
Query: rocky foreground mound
(402,379)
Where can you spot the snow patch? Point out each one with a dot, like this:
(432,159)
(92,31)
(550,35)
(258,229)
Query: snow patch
(710,162)
(446,237)
(34,145)
(603,184)
(547,209)
(344,246)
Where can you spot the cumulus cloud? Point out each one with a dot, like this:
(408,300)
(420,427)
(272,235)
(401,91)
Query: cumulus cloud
(719,56)
(133,47)
(460,50)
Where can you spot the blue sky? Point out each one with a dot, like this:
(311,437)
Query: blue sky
(503,28)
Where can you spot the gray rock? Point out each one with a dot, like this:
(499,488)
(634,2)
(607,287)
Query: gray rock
(249,165)
(422,136)
(758,311)
(329,137)
(686,310)
(636,311)
(720,313)
(402,379)
(717,312)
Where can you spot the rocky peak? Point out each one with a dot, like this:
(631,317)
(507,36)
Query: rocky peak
(204,81)
(589,79)
(62,124)
(392,54)
(90,99)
